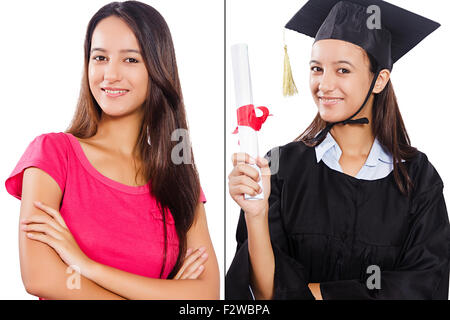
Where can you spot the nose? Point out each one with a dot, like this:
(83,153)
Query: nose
(112,71)
(327,82)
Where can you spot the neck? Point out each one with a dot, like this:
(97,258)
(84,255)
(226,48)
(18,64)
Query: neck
(120,134)
(355,140)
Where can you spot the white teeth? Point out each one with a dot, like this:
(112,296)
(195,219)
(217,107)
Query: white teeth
(115,92)
(330,100)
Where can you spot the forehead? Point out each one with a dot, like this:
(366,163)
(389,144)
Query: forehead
(334,50)
(113,34)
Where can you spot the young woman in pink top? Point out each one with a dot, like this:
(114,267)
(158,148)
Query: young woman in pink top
(121,213)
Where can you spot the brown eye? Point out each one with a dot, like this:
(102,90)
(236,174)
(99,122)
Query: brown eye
(133,60)
(344,70)
(95,58)
(316,69)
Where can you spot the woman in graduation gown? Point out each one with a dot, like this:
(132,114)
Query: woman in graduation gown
(351,210)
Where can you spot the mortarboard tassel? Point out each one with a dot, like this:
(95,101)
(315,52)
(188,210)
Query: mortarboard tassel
(289,88)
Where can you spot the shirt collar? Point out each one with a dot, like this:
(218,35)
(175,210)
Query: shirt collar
(384,155)
(377,151)
(326,145)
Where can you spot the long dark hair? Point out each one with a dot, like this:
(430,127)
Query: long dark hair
(175,186)
(387,126)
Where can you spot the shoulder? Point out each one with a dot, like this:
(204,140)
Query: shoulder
(55,138)
(290,155)
(291,150)
(50,144)
(47,152)
(423,174)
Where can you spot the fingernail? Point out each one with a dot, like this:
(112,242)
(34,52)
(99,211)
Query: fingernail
(201,267)
(204,255)
(29,234)
(23,221)
(251,160)
(201,249)
(38,203)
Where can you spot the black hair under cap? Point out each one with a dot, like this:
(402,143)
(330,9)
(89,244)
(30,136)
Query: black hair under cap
(400,31)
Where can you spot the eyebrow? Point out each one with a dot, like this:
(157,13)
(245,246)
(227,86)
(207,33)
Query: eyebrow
(121,51)
(336,62)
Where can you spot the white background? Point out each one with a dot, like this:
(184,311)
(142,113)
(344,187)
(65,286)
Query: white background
(41,63)
(420,80)
(41,66)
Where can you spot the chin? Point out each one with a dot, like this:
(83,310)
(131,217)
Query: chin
(329,115)
(334,115)
(115,112)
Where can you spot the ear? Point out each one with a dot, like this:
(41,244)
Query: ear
(382,80)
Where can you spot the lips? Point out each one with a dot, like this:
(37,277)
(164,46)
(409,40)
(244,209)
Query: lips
(330,100)
(114,92)
(114,89)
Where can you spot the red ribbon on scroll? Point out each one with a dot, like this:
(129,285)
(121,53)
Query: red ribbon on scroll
(246,116)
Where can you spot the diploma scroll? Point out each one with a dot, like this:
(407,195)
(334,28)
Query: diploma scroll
(248,137)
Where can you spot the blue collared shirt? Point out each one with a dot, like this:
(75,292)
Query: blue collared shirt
(378,165)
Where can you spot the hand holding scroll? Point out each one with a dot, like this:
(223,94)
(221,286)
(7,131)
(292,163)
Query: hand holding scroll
(244,179)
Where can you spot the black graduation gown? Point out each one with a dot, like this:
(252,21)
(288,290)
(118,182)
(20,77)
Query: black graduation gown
(327,227)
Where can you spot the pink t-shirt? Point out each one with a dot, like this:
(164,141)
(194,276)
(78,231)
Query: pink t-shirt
(113,223)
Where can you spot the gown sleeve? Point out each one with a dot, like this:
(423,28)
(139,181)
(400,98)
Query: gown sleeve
(422,270)
(289,278)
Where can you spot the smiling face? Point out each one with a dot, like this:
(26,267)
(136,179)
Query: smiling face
(340,78)
(118,77)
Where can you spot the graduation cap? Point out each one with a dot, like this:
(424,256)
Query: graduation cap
(358,22)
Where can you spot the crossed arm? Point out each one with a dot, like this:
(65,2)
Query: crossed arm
(44,273)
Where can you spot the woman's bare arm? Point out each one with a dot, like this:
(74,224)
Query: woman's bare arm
(262,260)
(43,272)
(133,286)
(244,179)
